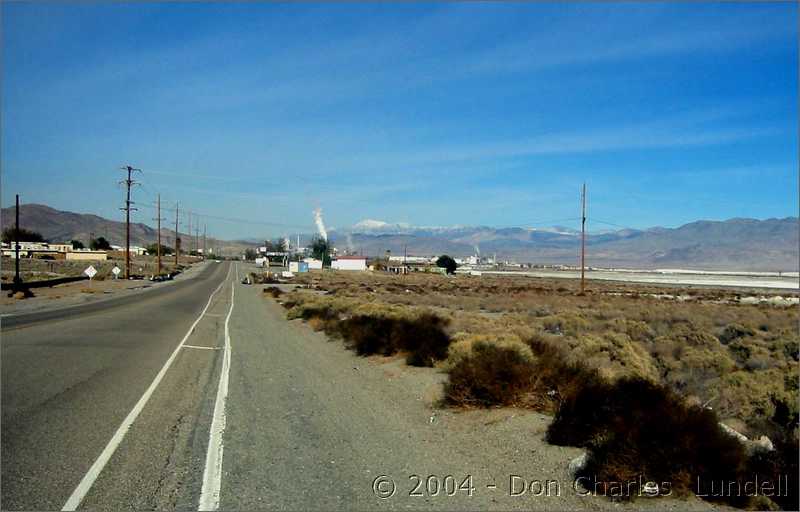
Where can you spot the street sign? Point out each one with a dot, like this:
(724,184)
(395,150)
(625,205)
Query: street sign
(116,271)
(90,271)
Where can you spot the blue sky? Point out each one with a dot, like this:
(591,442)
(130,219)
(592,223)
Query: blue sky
(430,114)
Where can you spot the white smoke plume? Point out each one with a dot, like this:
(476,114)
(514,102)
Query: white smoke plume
(350,247)
(320,225)
(477,250)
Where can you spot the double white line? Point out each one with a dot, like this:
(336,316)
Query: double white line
(213,476)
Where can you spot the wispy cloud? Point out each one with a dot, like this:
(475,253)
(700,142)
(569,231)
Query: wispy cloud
(685,131)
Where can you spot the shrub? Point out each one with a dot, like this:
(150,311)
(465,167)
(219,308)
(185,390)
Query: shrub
(423,337)
(555,377)
(274,291)
(462,343)
(752,395)
(10,234)
(490,375)
(734,332)
(780,465)
(638,431)
(369,334)
(446,262)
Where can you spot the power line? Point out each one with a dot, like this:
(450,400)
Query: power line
(612,224)
(236,219)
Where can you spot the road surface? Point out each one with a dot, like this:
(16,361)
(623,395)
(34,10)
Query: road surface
(204,396)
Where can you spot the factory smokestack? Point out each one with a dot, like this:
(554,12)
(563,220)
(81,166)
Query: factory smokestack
(320,224)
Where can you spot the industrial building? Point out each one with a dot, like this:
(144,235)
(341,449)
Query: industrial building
(349,263)
(51,251)
(313,264)
(86,255)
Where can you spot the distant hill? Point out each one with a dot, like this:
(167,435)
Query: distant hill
(735,244)
(60,226)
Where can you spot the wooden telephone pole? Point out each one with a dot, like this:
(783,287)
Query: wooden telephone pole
(158,243)
(177,236)
(17,279)
(583,238)
(190,232)
(128,182)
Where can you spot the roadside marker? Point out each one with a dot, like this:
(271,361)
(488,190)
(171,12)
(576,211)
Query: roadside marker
(94,471)
(90,271)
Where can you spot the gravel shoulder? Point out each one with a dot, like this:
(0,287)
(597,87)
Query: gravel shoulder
(311,426)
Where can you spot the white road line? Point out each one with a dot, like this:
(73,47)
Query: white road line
(88,480)
(212,474)
(203,348)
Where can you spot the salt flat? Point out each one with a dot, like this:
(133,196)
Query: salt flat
(784,281)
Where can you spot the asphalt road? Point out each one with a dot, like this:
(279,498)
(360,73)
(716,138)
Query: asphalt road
(251,412)
(69,380)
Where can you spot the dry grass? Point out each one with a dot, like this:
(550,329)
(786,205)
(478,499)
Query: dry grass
(704,348)
(630,354)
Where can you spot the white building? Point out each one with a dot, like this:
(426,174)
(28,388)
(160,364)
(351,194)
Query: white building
(87,255)
(313,264)
(349,263)
(412,259)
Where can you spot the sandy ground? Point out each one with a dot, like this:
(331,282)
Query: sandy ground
(36,269)
(82,292)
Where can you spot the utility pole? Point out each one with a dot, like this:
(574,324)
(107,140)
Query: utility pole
(197,237)
(205,228)
(17,280)
(158,243)
(583,238)
(190,232)
(177,236)
(128,182)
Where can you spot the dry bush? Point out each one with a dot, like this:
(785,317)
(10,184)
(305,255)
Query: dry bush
(733,332)
(490,375)
(778,465)
(618,330)
(375,328)
(635,428)
(424,338)
(462,344)
(614,355)
(755,394)
(274,291)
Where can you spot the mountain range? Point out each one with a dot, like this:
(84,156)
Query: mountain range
(734,244)
(60,226)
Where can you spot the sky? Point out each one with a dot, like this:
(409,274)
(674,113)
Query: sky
(428,114)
